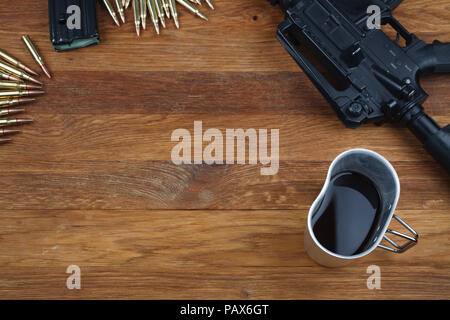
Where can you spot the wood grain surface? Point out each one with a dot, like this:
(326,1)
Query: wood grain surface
(91,182)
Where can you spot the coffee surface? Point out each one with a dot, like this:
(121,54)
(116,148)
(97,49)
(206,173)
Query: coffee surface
(345,220)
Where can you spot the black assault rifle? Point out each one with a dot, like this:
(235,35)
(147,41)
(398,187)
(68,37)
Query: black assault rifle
(365,75)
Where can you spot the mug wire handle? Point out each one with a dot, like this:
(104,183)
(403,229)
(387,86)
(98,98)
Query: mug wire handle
(412,240)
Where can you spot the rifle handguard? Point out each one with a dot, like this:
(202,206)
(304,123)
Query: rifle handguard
(435,139)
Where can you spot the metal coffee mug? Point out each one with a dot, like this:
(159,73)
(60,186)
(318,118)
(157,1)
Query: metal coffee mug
(385,180)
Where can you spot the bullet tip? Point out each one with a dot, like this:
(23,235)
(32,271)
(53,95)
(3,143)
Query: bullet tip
(6,132)
(2,141)
(31,71)
(24,121)
(35,81)
(35,92)
(15,111)
(210,4)
(202,16)
(47,73)
(116,21)
(24,100)
(33,86)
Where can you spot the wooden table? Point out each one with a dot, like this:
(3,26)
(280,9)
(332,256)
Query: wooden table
(91,182)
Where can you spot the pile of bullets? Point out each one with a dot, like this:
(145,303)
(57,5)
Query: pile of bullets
(157,9)
(14,89)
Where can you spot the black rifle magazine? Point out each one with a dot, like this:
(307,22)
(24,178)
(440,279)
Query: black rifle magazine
(73,24)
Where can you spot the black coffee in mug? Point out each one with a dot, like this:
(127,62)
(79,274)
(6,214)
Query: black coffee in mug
(351,215)
(347,218)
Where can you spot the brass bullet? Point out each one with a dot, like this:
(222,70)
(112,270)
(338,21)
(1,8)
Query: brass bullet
(173,10)
(19,73)
(111,11)
(9,77)
(127,3)
(14,101)
(137,16)
(165,6)
(6,132)
(159,11)
(192,9)
(20,93)
(153,14)
(119,6)
(143,13)
(14,122)
(9,112)
(35,53)
(18,85)
(16,63)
